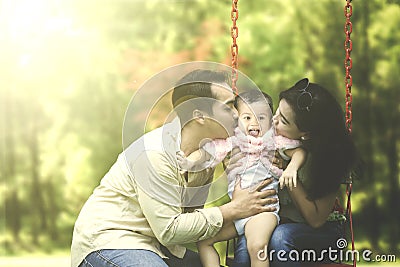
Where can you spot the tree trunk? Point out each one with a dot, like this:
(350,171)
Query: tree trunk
(38,208)
(394,188)
(52,211)
(366,91)
(12,208)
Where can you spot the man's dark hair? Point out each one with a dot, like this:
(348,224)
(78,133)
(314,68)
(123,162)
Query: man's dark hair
(196,84)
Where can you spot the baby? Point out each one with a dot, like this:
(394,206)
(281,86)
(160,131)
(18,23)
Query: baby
(255,137)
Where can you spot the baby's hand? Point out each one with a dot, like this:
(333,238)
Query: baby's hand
(183,162)
(288,178)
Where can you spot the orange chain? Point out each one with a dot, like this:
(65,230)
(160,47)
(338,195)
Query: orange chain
(234,46)
(348,63)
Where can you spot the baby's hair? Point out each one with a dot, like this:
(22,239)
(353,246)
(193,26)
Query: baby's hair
(253,96)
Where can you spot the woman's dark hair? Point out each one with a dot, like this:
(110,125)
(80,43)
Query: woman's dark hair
(332,153)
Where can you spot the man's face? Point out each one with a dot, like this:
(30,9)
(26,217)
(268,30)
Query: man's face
(224,118)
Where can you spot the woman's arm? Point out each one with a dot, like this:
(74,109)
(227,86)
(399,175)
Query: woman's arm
(289,176)
(315,212)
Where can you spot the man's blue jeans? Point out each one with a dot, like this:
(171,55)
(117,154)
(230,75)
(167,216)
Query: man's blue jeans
(294,236)
(138,258)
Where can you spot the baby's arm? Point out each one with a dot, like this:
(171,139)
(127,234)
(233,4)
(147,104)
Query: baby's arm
(209,155)
(195,161)
(289,176)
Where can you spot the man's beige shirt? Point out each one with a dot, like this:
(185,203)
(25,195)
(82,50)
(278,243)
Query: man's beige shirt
(139,202)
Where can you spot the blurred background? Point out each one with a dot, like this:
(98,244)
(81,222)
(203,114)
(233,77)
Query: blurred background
(68,69)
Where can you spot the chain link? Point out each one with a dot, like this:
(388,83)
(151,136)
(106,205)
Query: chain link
(234,46)
(348,63)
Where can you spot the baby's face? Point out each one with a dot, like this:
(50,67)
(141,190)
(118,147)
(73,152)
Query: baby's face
(254,119)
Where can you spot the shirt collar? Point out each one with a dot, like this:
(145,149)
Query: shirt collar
(176,133)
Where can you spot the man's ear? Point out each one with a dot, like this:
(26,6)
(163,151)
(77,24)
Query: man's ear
(198,116)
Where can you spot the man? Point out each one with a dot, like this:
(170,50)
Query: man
(136,216)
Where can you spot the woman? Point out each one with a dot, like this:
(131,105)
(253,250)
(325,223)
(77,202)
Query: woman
(309,112)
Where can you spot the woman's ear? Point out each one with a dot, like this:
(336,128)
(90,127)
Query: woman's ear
(198,116)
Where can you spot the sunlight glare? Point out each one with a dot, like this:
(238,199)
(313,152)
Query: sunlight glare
(26,20)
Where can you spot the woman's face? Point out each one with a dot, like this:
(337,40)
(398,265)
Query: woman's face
(284,121)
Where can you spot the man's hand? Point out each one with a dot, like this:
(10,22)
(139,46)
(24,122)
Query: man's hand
(249,202)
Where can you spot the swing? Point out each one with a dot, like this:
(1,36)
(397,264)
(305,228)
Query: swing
(348,63)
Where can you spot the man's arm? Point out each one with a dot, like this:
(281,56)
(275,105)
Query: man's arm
(160,203)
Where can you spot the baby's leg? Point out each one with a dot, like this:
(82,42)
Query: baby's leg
(208,254)
(258,231)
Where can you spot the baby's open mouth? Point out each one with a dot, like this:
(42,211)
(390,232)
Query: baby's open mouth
(254,132)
